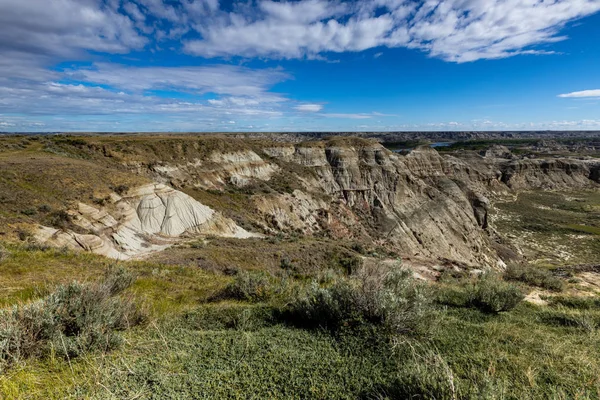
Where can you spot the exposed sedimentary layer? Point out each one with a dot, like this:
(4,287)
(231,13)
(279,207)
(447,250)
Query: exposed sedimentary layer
(145,219)
(421,204)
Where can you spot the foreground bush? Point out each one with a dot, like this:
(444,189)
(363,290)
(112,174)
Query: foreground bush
(487,292)
(75,319)
(4,254)
(384,297)
(491,294)
(256,287)
(534,276)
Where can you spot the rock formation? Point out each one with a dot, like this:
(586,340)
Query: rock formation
(422,204)
(145,219)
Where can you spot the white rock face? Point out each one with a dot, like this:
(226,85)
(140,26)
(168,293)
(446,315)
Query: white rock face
(147,219)
(217,171)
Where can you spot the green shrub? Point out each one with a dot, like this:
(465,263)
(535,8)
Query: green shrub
(60,219)
(121,189)
(24,235)
(581,303)
(44,208)
(4,254)
(73,320)
(534,276)
(388,298)
(491,294)
(487,292)
(252,286)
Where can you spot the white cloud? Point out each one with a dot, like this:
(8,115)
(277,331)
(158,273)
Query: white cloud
(309,107)
(583,93)
(346,115)
(117,90)
(219,79)
(454,30)
(65,27)
(355,115)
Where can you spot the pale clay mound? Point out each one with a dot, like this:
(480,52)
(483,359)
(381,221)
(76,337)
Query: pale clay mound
(147,219)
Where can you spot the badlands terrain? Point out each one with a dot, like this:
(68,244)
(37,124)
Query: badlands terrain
(395,266)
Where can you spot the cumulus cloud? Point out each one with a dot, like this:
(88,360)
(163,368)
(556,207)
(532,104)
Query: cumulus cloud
(65,27)
(454,30)
(309,107)
(583,93)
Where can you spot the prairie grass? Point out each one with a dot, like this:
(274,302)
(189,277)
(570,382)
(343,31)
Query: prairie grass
(243,348)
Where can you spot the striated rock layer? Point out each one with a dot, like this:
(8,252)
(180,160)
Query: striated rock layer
(146,219)
(422,205)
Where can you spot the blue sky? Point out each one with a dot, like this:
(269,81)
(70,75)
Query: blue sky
(209,65)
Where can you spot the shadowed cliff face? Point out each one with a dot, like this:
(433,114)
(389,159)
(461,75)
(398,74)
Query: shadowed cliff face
(421,205)
(410,203)
(548,174)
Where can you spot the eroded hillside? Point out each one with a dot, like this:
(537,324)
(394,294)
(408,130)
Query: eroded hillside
(129,196)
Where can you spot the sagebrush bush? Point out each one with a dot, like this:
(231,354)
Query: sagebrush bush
(253,286)
(4,254)
(487,292)
(75,319)
(491,294)
(385,297)
(534,276)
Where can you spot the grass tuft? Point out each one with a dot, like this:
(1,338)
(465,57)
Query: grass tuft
(487,293)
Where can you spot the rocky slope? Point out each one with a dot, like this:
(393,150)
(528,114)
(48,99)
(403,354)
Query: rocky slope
(420,205)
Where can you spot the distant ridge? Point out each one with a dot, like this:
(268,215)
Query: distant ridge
(384,137)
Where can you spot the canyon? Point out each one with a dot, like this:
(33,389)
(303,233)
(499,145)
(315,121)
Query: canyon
(424,205)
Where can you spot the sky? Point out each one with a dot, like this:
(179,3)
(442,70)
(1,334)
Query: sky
(305,65)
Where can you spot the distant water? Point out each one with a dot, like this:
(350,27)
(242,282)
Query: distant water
(434,145)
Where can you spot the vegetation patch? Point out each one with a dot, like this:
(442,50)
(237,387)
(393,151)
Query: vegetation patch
(255,287)
(73,320)
(580,303)
(591,230)
(388,298)
(534,276)
(486,292)
(548,227)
